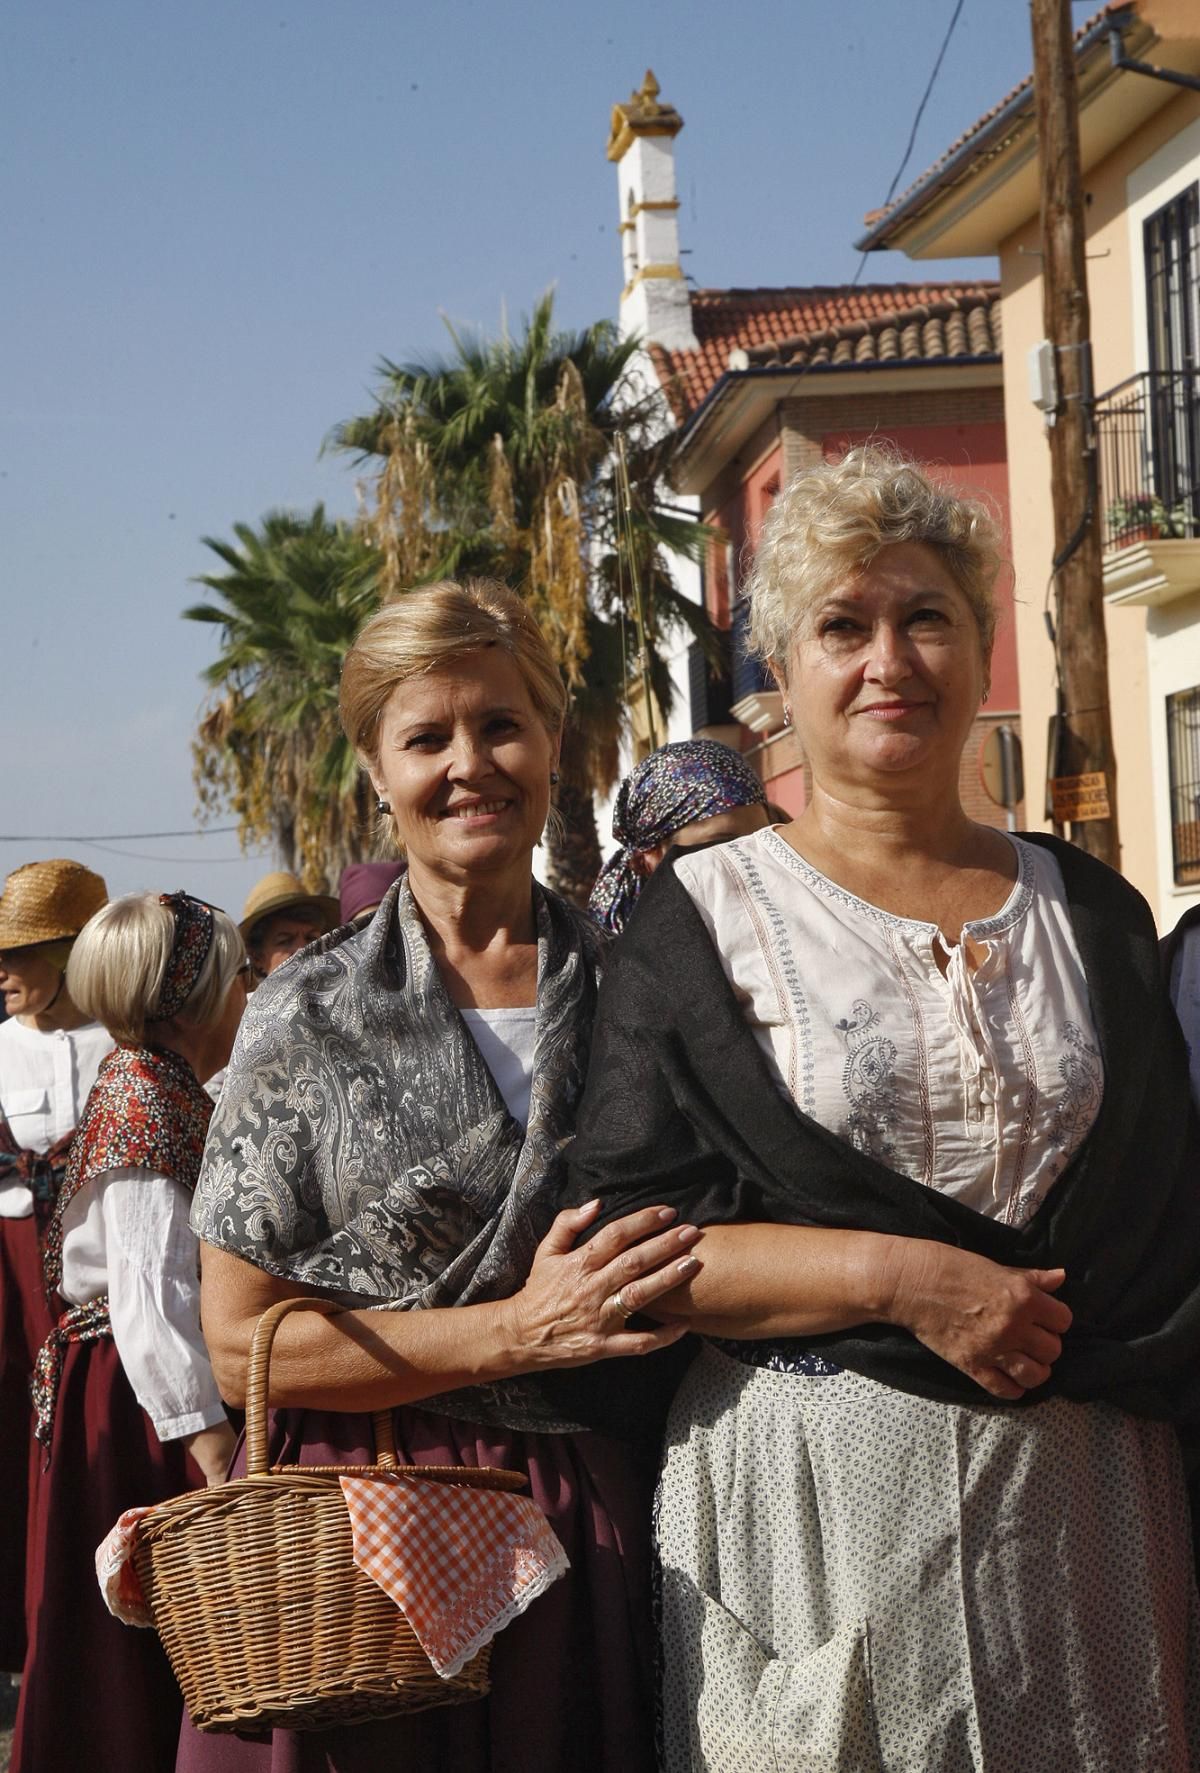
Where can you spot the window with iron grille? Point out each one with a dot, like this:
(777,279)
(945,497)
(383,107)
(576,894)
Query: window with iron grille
(1172,242)
(1183,760)
(1171,238)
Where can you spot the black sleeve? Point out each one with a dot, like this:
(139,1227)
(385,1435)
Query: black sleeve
(649,1133)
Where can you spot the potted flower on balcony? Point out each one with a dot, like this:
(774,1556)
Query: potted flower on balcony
(1139,517)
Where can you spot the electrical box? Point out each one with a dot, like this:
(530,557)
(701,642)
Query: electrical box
(1043,376)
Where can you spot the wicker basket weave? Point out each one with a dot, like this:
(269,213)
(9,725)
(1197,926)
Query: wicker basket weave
(264,1615)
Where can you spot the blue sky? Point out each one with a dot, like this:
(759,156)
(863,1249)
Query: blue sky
(216,218)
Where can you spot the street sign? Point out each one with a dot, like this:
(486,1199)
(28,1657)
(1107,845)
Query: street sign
(1079,798)
(1001,770)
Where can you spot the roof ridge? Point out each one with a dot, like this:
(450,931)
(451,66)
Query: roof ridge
(765,292)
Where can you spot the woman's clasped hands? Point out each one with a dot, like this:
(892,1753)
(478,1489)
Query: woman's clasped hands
(1001,1326)
(575,1306)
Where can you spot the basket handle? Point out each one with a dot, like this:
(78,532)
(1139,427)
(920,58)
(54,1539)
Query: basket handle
(258,1390)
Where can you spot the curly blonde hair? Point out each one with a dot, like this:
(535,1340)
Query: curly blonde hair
(830,522)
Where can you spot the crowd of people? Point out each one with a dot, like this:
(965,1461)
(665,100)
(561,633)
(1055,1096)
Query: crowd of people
(813,1221)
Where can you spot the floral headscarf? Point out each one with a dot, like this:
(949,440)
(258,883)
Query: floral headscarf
(673,787)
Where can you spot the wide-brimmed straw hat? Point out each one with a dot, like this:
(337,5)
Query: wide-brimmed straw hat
(283,892)
(47,901)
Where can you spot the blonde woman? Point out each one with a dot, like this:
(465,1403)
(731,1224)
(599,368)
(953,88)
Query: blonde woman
(922,1507)
(128,1409)
(49,1055)
(390,1135)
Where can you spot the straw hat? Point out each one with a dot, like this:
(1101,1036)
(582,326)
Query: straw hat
(45,901)
(283,892)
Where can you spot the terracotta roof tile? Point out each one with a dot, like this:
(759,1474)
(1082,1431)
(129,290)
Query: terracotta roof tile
(840,324)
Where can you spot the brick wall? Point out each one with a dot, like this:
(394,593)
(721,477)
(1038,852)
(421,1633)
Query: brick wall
(808,425)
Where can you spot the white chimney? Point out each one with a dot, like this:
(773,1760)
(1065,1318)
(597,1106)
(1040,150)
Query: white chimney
(654,301)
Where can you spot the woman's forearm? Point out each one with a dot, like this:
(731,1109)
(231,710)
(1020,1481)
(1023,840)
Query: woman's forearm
(356,1360)
(565,1314)
(785,1280)
(1001,1326)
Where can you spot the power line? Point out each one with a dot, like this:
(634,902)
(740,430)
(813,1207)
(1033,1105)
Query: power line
(111,836)
(106,849)
(916,123)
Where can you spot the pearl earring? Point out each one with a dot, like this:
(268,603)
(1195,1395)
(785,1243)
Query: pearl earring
(382,805)
(554,778)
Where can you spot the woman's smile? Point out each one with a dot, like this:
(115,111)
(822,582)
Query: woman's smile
(477,809)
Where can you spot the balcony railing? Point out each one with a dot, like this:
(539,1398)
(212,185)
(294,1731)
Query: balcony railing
(1148,431)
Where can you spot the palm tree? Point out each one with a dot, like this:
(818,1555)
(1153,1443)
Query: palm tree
(292,596)
(502,455)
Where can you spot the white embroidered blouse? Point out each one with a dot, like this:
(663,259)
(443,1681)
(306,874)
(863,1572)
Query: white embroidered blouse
(979,1082)
(45,1079)
(126,1235)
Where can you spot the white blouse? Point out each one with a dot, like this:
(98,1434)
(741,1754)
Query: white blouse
(45,1079)
(506,1040)
(979,1081)
(127,1235)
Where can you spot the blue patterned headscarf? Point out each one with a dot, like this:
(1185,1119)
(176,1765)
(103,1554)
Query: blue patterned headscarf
(673,787)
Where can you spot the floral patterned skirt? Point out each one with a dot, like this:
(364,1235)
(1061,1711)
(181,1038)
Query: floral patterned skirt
(864,1581)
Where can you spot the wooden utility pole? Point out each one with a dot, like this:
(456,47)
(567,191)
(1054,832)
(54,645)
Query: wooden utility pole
(1086,747)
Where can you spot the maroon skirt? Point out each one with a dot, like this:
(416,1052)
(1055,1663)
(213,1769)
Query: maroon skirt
(25,1322)
(95,1693)
(572,1678)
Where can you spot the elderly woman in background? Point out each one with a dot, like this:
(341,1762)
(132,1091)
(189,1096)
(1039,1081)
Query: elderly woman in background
(692,792)
(390,1135)
(49,1056)
(128,1409)
(923,1505)
(280,918)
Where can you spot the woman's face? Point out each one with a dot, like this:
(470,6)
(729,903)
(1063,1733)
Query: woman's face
(465,763)
(886,674)
(28,981)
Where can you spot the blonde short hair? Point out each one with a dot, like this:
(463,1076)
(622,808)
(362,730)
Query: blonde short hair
(429,630)
(116,970)
(831,520)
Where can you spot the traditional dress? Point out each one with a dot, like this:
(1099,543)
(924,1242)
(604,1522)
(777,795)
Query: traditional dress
(362,1145)
(120,1381)
(867,1565)
(44,1083)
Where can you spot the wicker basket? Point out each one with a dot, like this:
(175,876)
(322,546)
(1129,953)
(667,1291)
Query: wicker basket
(264,1615)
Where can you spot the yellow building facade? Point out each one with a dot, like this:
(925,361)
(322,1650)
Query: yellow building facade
(1140,149)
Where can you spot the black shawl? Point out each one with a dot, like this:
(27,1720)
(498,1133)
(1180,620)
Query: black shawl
(680,1107)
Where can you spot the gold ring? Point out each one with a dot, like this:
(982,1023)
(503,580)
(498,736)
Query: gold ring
(626,1311)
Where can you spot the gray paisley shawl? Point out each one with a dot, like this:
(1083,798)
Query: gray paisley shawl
(361,1146)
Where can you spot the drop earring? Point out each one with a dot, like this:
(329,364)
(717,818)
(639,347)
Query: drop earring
(787,716)
(554,778)
(382,805)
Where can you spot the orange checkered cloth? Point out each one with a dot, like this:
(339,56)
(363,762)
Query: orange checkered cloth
(460,1563)
(115,1572)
